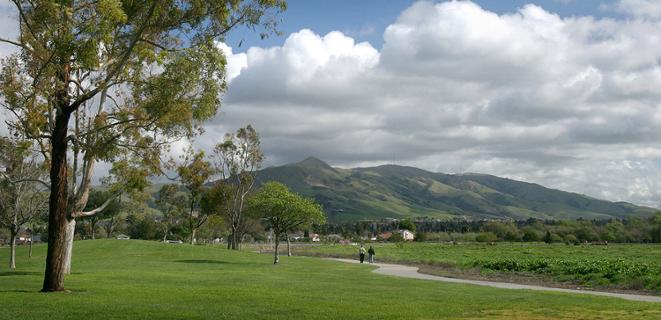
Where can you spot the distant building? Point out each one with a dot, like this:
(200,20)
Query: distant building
(385,236)
(407,235)
(314,237)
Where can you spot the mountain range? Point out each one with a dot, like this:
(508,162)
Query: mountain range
(391,191)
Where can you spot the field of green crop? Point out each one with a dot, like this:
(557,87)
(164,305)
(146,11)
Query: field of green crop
(621,266)
(133,279)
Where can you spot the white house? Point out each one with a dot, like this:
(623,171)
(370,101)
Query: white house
(407,235)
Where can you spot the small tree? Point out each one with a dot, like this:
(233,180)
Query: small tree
(284,210)
(214,202)
(236,160)
(171,205)
(194,175)
(407,224)
(22,198)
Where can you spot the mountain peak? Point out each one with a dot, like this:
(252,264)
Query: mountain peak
(312,162)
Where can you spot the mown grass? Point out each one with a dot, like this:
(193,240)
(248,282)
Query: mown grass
(619,266)
(133,279)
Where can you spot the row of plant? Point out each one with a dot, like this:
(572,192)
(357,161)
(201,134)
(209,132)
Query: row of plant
(641,275)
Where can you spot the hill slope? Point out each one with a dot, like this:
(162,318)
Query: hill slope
(391,191)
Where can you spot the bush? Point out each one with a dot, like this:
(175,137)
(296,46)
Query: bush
(570,238)
(486,237)
(420,237)
(531,235)
(396,237)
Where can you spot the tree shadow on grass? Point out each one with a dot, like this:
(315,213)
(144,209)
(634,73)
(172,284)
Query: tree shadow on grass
(18,291)
(19,273)
(204,261)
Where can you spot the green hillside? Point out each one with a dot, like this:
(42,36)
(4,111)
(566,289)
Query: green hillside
(391,191)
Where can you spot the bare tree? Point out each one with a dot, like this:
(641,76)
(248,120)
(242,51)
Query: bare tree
(22,198)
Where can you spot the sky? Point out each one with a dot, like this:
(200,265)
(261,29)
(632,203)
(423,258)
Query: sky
(562,93)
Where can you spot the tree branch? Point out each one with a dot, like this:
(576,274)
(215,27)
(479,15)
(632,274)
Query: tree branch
(122,62)
(44,183)
(14,43)
(90,213)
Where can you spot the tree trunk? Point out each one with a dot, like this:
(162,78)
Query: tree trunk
(192,236)
(235,239)
(12,246)
(58,204)
(277,245)
(229,241)
(71,230)
(93,224)
(288,245)
(31,241)
(109,228)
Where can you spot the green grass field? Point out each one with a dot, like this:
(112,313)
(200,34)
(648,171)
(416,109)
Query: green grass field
(134,279)
(621,266)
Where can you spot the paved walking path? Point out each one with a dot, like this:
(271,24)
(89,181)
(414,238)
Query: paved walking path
(412,272)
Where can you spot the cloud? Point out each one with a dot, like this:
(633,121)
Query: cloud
(640,8)
(571,103)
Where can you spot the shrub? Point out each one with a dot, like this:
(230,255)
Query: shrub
(486,237)
(420,237)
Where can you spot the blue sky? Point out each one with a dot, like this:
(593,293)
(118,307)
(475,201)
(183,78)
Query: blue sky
(365,20)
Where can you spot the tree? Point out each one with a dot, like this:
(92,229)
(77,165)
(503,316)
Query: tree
(194,175)
(237,159)
(548,238)
(96,80)
(22,198)
(407,224)
(171,205)
(655,224)
(284,210)
(215,203)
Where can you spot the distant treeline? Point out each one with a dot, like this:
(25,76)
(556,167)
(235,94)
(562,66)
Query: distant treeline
(632,230)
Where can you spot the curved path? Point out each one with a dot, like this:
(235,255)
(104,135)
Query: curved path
(412,272)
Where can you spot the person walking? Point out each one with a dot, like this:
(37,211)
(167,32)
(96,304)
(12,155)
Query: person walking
(370,252)
(362,254)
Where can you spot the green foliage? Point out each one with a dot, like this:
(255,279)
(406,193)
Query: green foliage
(396,237)
(215,200)
(583,270)
(486,237)
(420,237)
(98,197)
(407,224)
(144,226)
(628,266)
(283,210)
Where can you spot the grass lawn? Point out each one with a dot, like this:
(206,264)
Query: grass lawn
(619,266)
(115,279)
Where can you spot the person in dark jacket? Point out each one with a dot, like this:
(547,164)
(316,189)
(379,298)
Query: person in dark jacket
(370,252)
